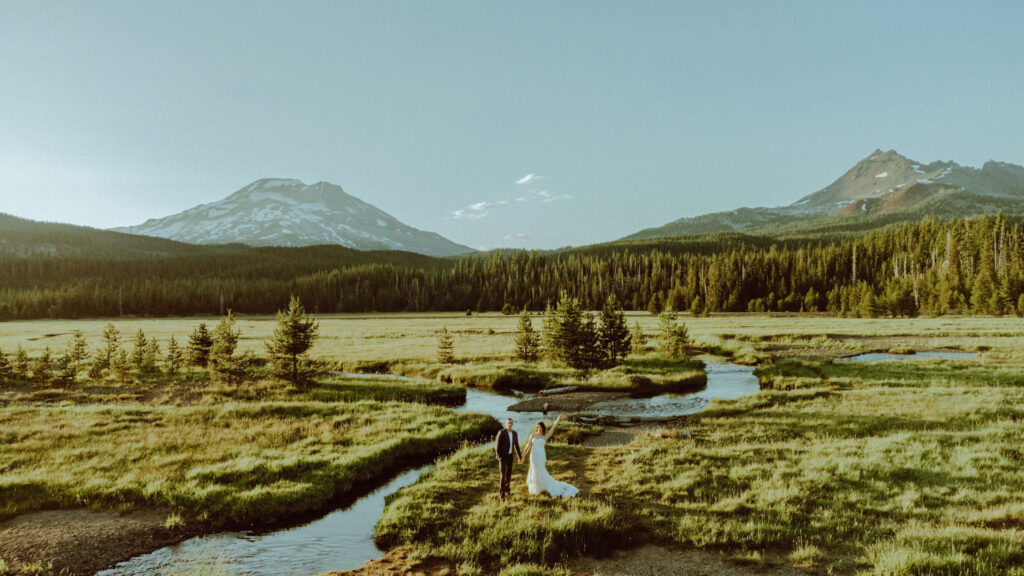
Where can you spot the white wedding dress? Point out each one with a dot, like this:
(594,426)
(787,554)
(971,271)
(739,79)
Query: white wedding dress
(538,480)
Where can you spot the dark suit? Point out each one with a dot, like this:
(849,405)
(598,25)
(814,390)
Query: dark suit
(505,444)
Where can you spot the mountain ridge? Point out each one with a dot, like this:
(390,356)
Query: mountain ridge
(288,212)
(882,183)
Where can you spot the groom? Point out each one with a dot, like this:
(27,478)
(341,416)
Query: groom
(507,444)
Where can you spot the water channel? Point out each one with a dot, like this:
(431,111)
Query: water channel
(343,539)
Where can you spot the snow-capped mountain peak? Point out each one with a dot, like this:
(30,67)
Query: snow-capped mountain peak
(288,212)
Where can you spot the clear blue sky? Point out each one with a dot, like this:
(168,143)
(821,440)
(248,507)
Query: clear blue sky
(630,114)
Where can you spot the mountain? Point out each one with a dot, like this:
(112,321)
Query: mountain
(276,212)
(68,245)
(883,188)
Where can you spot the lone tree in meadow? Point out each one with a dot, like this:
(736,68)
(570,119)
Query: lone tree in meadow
(527,339)
(223,364)
(289,349)
(199,343)
(613,337)
(445,346)
(675,337)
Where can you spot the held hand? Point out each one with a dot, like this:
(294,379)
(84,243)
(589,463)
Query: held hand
(520,460)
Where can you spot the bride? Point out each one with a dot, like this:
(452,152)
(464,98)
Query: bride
(537,479)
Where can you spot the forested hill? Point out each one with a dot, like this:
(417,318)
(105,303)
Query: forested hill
(963,265)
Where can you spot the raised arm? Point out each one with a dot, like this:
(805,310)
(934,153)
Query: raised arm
(553,426)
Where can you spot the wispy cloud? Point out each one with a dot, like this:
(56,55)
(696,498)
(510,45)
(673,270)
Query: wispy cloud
(545,196)
(473,211)
(516,237)
(483,208)
(531,177)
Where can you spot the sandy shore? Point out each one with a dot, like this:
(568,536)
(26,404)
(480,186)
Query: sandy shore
(81,542)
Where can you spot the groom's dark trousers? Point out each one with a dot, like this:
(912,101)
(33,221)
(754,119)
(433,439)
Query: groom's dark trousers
(505,445)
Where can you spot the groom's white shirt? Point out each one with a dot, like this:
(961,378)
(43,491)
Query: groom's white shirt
(511,448)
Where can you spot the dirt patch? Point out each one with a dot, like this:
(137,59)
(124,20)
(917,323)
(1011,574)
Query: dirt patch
(653,560)
(400,561)
(73,542)
(614,436)
(568,402)
(647,560)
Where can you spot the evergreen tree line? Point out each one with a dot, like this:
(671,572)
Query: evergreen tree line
(969,265)
(579,340)
(143,358)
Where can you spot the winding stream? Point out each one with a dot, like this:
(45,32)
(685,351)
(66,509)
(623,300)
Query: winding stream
(343,539)
(890,357)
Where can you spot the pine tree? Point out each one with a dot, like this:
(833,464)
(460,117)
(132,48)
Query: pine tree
(42,371)
(445,346)
(96,366)
(111,344)
(527,339)
(138,357)
(20,365)
(66,370)
(587,351)
(289,349)
(175,357)
(982,293)
(613,335)
(223,364)
(549,334)
(1020,305)
(78,350)
(639,339)
(151,357)
(6,370)
(571,336)
(121,365)
(654,307)
(199,343)
(675,337)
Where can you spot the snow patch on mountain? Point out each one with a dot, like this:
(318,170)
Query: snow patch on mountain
(287,212)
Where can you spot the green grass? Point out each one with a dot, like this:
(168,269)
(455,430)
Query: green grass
(234,462)
(452,511)
(645,375)
(869,469)
(881,469)
(193,386)
(353,340)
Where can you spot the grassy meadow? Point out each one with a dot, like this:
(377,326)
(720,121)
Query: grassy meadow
(355,339)
(834,467)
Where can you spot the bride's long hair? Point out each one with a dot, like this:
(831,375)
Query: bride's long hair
(543,428)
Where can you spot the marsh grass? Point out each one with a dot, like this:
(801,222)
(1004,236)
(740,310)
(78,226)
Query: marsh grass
(232,463)
(354,339)
(453,510)
(648,375)
(195,387)
(884,469)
